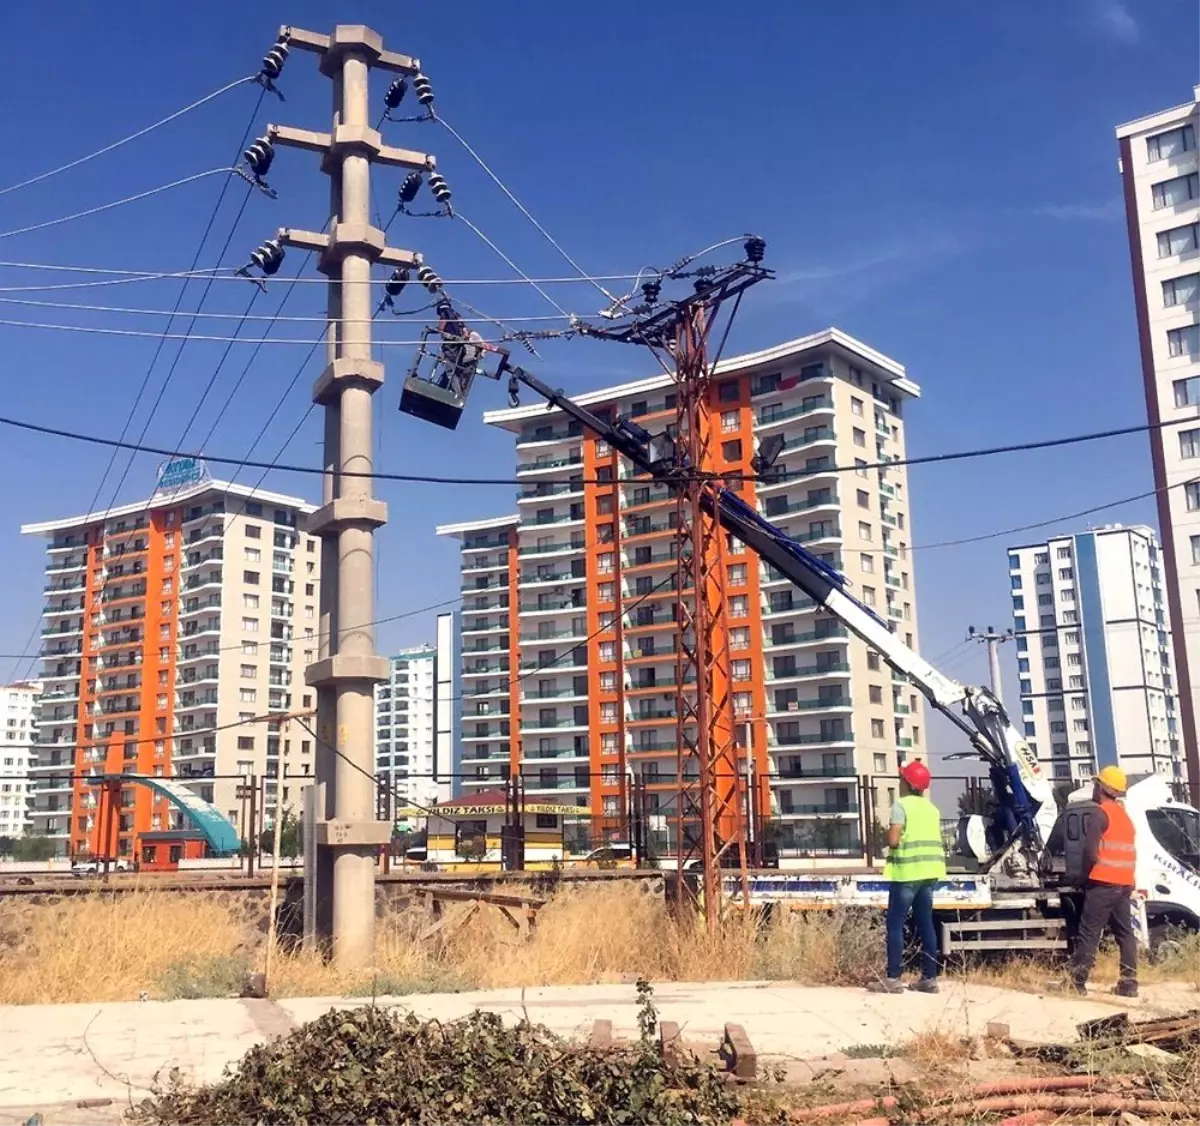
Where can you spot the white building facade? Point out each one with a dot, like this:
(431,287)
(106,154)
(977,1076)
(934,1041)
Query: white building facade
(1161,180)
(18,752)
(406,762)
(1094,654)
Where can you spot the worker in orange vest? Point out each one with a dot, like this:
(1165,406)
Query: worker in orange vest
(1109,859)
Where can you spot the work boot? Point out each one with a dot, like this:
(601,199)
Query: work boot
(887,985)
(925,985)
(1126,988)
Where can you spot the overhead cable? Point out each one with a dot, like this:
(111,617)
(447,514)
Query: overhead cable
(119,202)
(132,136)
(523,209)
(212,339)
(960,455)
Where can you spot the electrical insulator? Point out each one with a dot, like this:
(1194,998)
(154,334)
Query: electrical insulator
(410,187)
(274,59)
(429,279)
(395,93)
(439,187)
(651,291)
(755,249)
(396,283)
(424,90)
(259,156)
(268,257)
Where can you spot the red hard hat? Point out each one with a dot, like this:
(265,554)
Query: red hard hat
(916,774)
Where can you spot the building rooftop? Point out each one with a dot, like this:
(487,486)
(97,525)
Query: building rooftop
(1159,117)
(511,418)
(485,525)
(167,499)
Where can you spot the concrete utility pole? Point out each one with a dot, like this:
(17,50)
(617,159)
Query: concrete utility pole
(993,641)
(348,834)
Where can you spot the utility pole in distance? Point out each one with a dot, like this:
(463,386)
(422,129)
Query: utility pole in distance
(993,641)
(347,669)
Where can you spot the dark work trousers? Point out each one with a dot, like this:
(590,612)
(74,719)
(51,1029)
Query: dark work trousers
(915,896)
(1105,904)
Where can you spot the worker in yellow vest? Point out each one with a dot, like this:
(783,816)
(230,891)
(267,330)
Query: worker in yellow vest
(916,864)
(1107,899)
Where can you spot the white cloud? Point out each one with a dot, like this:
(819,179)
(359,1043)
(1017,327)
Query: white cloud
(1114,20)
(1084,212)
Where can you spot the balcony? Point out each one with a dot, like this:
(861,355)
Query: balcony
(552,694)
(774,711)
(534,726)
(485,544)
(798,672)
(644,526)
(551,606)
(800,772)
(553,578)
(530,468)
(812,435)
(824,809)
(489,668)
(768,417)
(558,489)
(64,566)
(213,531)
(557,636)
(63,630)
(558,754)
(814,739)
(544,434)
(832,633)
(475,587)
(827,499)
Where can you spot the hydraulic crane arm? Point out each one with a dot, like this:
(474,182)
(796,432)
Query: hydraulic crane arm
(1027,810)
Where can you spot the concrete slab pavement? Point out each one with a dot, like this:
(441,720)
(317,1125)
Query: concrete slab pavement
(55,1055)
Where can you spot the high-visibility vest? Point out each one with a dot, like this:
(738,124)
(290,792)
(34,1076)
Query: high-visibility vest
(1115,856)
(920,854)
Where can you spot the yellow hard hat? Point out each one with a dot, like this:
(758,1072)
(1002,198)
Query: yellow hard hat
(1112,778)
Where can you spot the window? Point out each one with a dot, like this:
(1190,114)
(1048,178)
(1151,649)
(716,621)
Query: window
(872,660)
(251,578)
(739,606)
(1045,599)
(1183,341)
(1181,291)
(856,407)
(737,574)
(867,562)
(864,499)
(1067,574)
(860,437)
(740,670)
(876,693)
(1171,143)
(1191,495)
(1195,542)
(608,651)
(253,531)
(1070,617)
(868,594)
(729,421)
(250,625)
(729,391)
(864,530)
(250,648)
(1180,189)
(1187,391)
(1067,594)
(1179,240)
(245,743)
(1018,602)
(876,729)
(247,695)
(1189,443)
(253,555)
(732,451)
(250,601)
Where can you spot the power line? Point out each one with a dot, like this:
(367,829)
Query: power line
(118,202)
(129,311)
(516,269)
(523,209)
(131,332)
(132,137)
(928,459)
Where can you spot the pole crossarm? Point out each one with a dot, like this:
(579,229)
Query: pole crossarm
(348,238)
(359,140)
(347,36)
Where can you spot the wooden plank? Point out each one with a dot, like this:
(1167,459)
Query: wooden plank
(668,1037)
(1006,924)
(601,1036)
(1004,944)
(740,1054)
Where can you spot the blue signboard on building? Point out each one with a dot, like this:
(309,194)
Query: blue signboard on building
(180,472)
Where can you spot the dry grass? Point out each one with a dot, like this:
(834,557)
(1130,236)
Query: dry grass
(100,947)
(105,948)
(169,944)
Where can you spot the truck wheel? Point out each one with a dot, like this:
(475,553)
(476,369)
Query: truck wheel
(1166,942)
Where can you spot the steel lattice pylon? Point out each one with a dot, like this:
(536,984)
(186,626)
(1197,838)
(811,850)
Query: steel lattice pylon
(709,809)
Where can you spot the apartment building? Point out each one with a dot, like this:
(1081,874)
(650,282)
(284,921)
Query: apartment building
(569,639)
(1094,653)
(18,751)
(1161,178)
(406,762)
(169,625)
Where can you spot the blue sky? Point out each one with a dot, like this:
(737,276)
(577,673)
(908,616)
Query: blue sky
(936,178)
